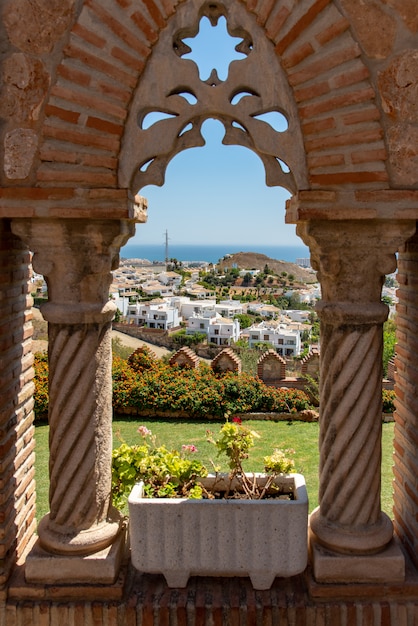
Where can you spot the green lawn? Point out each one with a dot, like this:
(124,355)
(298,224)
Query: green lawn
(303,437)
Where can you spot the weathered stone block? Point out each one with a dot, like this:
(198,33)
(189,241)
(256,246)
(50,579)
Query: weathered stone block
(20,147)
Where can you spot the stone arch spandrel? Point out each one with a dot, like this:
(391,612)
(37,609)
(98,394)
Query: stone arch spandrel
(89,107)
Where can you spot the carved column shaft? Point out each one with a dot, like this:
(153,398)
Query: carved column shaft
(76,257)
(352,259)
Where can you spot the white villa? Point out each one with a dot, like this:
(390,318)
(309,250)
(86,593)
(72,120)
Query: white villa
(229,308)
(170,279)
(297,315)
(155,286)
(155,314)
(188,307)
(219,330)
(263,309)
(286,341)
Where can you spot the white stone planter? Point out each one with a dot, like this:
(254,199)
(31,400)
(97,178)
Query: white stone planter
(261,539)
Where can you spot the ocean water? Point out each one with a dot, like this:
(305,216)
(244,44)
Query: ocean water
(210,253)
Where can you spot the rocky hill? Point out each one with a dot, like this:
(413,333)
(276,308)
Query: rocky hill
(254,260)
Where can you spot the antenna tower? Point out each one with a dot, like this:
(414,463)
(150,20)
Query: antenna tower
(166,247)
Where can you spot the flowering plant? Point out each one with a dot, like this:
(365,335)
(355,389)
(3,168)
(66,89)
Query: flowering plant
(235,440)
(165,473)
(172,474)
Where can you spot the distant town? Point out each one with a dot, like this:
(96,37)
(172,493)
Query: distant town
(246,297)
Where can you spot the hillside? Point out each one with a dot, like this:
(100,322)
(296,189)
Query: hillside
(254,260)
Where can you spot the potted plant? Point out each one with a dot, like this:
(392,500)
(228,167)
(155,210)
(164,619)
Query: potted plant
(184,521)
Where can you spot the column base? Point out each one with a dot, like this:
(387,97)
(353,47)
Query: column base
(360,540)
(101,567)
(56,540)
(387,566)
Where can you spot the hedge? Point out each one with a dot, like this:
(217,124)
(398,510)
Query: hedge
(145,383)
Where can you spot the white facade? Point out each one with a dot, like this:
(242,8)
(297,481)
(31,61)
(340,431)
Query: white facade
(229,308)
(223,331)
(285,341)
(154,315)
(297,315)
(154,286)
(188,307)
(265,310)
(252,272)
(198,291)
(218,330)
(170,278)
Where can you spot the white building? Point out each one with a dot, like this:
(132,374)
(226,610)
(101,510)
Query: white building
(265,310)
(157,314)
(229,308)
(170,279)
(253,272)
(189,307)
(218,330)
(223,331)
(286,341)
(154,286)
(198,291)
(296,315)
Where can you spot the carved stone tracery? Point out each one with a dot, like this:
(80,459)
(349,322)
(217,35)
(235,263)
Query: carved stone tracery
(170,83)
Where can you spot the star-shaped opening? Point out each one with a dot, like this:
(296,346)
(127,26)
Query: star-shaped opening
(213,48)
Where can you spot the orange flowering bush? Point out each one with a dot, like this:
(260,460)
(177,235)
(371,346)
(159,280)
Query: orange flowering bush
(388,401)
(41,396)
(146,383)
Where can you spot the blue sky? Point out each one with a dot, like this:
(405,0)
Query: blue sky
(215,193)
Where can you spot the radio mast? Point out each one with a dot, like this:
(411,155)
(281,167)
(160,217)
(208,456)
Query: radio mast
(166,248)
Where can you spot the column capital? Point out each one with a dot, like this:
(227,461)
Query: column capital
(76,257)
(353,256)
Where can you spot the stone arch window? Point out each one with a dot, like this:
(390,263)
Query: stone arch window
(76,153)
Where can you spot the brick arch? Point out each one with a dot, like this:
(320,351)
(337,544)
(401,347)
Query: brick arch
(108,50)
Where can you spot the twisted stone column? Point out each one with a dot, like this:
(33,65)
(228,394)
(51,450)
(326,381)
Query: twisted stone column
(76,257)
(352,259)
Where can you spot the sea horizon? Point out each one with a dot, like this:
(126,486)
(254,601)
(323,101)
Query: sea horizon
(211,253)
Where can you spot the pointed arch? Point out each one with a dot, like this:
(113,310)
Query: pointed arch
(333,96)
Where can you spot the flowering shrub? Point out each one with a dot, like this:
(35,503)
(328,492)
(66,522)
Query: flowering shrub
(41,396)
(142,359)
(388,401)
(173,474)
(199,392)
(145,383)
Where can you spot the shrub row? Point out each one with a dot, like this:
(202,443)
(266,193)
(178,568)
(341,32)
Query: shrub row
(145,383)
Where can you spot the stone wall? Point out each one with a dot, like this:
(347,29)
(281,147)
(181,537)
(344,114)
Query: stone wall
(17,487)
(155,336)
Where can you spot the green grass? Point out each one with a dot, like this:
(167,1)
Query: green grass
(301,436)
